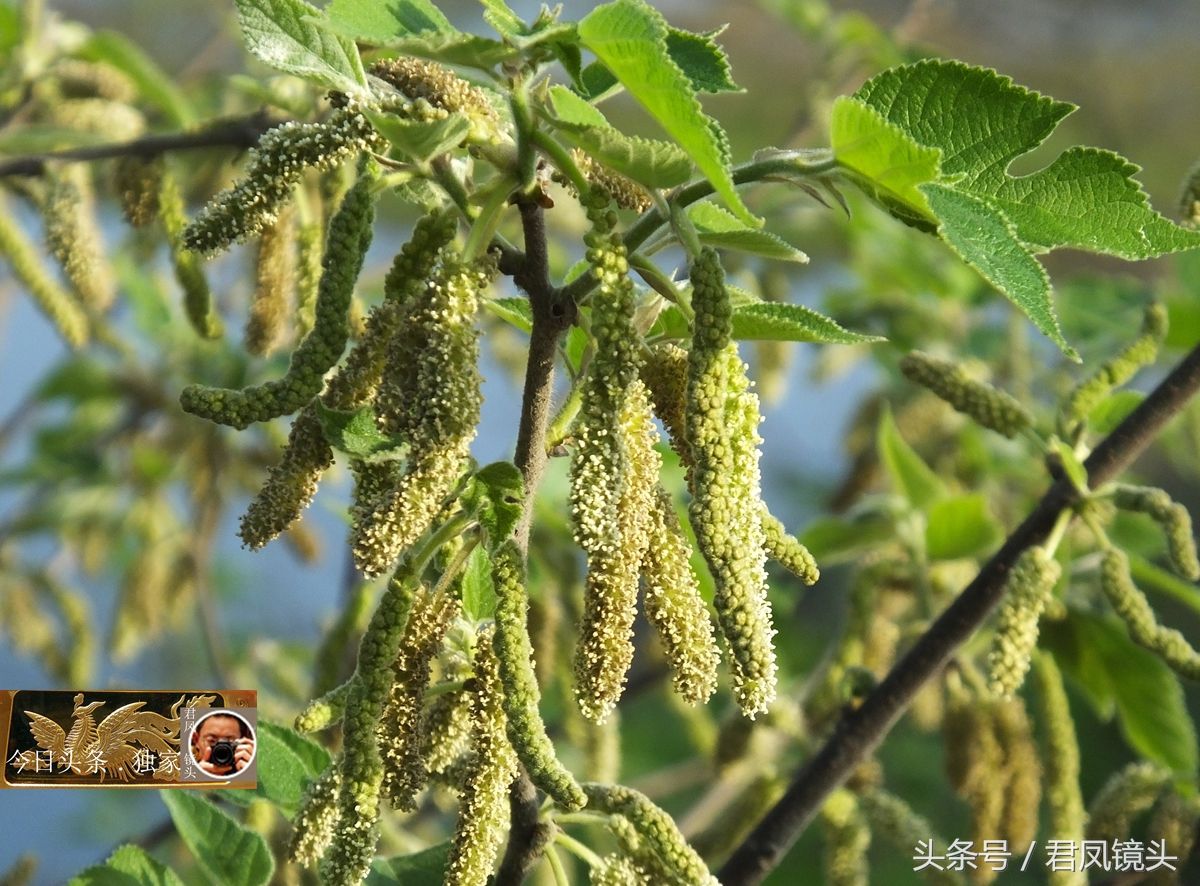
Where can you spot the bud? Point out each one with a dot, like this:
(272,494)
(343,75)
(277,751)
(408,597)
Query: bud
(1029,587)
(994,409)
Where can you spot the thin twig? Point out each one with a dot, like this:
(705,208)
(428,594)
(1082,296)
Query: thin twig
(863,730)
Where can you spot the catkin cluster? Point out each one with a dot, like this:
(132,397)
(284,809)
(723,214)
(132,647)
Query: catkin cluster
(443,89)
(1028,589)
(989,406)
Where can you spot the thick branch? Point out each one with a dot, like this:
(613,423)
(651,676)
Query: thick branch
(243,132)
(862,731)
(552,315)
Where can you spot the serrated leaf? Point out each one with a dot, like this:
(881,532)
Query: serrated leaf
(653,163)
(228,853)
(424,868)
(498,14)
(772,321)
(702,59)
(630,38)
(885,161)
(451,47)
(960,526)
(596,81)
(129,865)
(987,241)
(720,228)
(154,85)
(495,495)
(910,475)
(282,34)
(1118,675)
(287,762)
(374,22)
(356,433)
(514,311)
(478,591)
(422,140)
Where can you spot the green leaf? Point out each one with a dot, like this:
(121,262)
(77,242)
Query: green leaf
(1116,674)
(374,22)
(498,14)
(77,380)
(424,868)
(422,140)
(702,60)
(960,526)
(356,433)
(452,47)
(287,762)
(478,592)
(1071,465)
(720,228)
(229,854)
(884,160)
(653,163)
(496,493)
(283,34)
(154,84)
(514,311)
(910,476)
(833,538)
(597,81)
(772,321)
(630,38)
(986,240)
(1113,410)
(129,865)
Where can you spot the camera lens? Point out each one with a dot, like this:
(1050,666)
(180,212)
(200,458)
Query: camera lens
(221,753)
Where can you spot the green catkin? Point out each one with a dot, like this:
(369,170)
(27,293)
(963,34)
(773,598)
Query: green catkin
(893,820)
(721,417)
(625,192)
(483,810)
(197,298)
(323,712)
(618,870)
(1176,824)
(763,792)
(291,484)
(1029,587)
(400,739)
(1022,772)
(847,839)
(275,278)
(62,310)
(674,606)
(1141,352)
(1060,759)
(1172,517)
(348,858)
(430,397)
(73,236)
(975,763)
(988,406)
(655,829)
(347,244)
(1125,795)
(788,551)
(521,696)
(75,78)
(312,827)
(310,247)
(1131,604)
(442,88)
(273,170)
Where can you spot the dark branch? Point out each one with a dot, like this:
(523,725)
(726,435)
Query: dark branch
(243,132)
(863,730)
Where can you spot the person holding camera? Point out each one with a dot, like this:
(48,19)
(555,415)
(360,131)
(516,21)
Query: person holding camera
(222,744)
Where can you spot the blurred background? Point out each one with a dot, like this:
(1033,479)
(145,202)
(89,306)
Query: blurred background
(1133,69)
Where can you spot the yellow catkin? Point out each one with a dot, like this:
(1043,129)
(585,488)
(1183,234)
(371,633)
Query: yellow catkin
(73,236)
(975,763)
(992,408)
(310,247)
(625,192)
(136,181)
(323,712)
(1022,772)
(275,278)
(1029,587)
(1060,760)
(442,88)
(763,792)
(483,810)
(847,839)
(1176,825)
(312,827)
(75,78)
(60,309)
(674,606)
(1125,795)
(1131,604)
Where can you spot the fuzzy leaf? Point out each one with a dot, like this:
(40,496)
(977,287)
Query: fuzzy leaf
(960,526)
(772,321)
(227,852)
(702,60)
(373,22)
(356,434)
(422,140)
(282,33)
(496,493)
(514,311)
(439,43)
(910,475)
(653,163)
(498,14)
(129,865)
(478,592)
(720,228)
(287,761)
(630,38)
(424,868)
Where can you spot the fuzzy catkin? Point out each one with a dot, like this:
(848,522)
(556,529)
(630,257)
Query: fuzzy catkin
(1172,517)
(58,306)
(313,824)
(893,820)
(1028,589)
(273,170)
(483,810)
(137,181)
(347,243)
(1061,763)
(721,417)
(1124,796)
(275,278)
(521,696)
(197,298)
(323,712)
(1131,604)
(787,550)
(74,239)
(990,407)
(674,606)
(1022,773)
(442,88)
(847,839)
